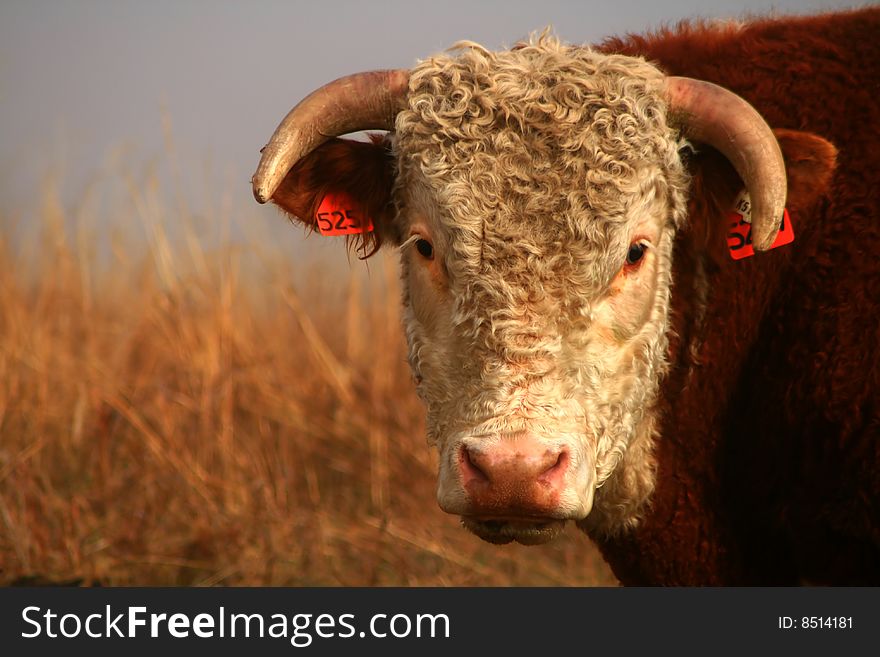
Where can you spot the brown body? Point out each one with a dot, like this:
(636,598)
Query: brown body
(769,456)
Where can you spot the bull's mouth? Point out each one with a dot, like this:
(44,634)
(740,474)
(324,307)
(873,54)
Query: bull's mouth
(527,531)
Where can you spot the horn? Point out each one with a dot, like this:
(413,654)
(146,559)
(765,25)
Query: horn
(718,117)
(363,101)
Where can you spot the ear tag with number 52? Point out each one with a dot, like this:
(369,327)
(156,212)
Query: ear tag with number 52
(739,235)
(338,214)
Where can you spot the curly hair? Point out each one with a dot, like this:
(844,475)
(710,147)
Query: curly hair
(545,130)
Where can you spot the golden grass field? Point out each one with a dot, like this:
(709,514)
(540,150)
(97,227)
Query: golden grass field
(187,413)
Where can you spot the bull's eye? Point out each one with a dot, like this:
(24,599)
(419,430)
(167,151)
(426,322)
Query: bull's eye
(425,248)
(635,254)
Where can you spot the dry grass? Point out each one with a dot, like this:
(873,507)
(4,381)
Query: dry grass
(187,417)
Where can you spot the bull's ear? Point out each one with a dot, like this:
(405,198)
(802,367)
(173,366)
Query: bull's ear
(810,161)
(361,171)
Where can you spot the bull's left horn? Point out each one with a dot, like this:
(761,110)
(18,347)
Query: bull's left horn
(363,101)
(718,117)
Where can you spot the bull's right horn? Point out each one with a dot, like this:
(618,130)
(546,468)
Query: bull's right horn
(363,101)
(718,117)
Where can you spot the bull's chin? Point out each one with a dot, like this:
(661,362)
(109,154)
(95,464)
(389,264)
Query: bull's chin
(527,531)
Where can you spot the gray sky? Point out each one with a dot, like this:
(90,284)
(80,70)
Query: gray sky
(84,84)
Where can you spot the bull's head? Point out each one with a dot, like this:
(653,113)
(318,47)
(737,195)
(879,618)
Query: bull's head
(534,195)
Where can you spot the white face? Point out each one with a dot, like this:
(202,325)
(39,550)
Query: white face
(537,214)
(538,361)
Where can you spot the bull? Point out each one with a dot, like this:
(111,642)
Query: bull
(586,346)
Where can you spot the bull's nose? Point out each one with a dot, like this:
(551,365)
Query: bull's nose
(521,476)
(513,460)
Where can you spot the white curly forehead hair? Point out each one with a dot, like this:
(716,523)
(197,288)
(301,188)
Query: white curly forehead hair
(544,129)
(533,173)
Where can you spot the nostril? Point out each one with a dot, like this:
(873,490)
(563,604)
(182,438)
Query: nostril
(557,470)
(470,470)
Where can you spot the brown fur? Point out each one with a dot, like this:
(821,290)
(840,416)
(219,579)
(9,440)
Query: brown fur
(770,448)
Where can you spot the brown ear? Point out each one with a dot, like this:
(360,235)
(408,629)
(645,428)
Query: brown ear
(364,171)
(810,161)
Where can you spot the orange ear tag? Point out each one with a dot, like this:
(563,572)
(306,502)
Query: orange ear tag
(338,214)
(739,236)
